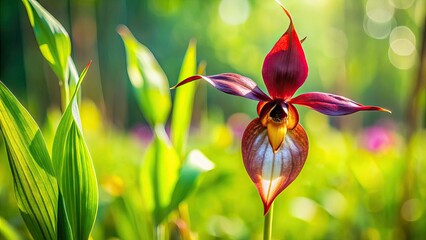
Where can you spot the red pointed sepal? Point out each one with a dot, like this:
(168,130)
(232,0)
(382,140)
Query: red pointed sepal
(285,68)
(332,105)
(273,172)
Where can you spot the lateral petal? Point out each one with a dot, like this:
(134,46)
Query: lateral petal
(233,84)
(293,117)
(285,68)
(273,172)
(332,105)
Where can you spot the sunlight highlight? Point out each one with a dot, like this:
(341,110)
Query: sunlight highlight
(234,12)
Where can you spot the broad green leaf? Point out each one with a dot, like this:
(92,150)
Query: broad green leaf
(184,99)
(195,164)
(53,40)
(35,184)
(159,174)
(147,78)
(75,171)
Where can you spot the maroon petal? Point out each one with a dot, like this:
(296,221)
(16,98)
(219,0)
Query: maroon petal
(285,68)
(273,172)
(333,105)
(231,83)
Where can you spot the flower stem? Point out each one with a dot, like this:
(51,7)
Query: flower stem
(267,227)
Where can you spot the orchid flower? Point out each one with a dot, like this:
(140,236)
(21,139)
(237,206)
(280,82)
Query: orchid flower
(275,145)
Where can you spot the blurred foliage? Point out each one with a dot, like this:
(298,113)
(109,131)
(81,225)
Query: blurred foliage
(364,176)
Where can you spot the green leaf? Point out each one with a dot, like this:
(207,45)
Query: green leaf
(147,78)
(75,171)
(159,174)
(7,231)
(64,231)
(73,78)
(195,164)
(130,220)
(35,184)
(53,40)
(184,99)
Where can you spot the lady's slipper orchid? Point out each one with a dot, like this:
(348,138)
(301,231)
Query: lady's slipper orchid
(275,145)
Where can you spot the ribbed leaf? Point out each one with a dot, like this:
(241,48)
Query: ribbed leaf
(52,38)
(148,79)
(159,174)
(64,231)
(36,188)
(184,99)
(75,171)
(195,164)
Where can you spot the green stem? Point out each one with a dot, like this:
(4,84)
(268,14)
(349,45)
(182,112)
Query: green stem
(159,232)
(267,227)
(65,98)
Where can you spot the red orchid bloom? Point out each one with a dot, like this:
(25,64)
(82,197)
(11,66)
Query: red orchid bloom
(275,145)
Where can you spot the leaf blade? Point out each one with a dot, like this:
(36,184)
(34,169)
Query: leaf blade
(195,165)
(34,179)
(76,173)
(184,101)
(52,38)
(148,80)
(159,174)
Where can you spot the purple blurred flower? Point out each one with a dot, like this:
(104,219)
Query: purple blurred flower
(377,138)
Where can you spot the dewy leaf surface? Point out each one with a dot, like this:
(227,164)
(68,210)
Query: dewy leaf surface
(36,188)
(53,40)
(75,171)
(147,78)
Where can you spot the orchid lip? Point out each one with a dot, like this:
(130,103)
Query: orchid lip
(273,116)
(272,171)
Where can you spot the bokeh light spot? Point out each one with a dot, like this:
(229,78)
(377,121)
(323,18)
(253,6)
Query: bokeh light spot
(377,30)
(412,210)
(402,48)
(303,208)
(379,10)
(335,43)
(402,4)
(234,12)
(334,203)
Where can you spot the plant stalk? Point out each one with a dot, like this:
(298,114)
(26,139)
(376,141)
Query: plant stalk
(267,227)
(65,98)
